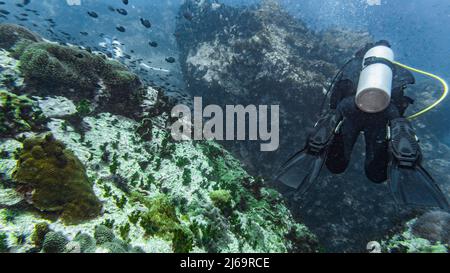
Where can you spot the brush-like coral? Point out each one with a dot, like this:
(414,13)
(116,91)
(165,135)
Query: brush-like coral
(87,243)
(221,199)
(56,180)
(3,242)
(53,69)
(103,234)
(40,230)
(64,68)
(63,65)
(11,35)
(161,220)
(54,242)
(19,114)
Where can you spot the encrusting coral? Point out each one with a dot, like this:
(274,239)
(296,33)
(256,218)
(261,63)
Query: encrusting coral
(72,71)
(19,114)
(161,220)
(63,65)
(56,180)
(11,35)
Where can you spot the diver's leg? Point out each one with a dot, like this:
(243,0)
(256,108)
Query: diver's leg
(341,147)
(375,136)
(377,157)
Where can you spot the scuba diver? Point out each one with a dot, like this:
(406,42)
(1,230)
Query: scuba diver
(367,96)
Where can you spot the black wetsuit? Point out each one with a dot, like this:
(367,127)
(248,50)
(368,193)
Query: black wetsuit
(355,121)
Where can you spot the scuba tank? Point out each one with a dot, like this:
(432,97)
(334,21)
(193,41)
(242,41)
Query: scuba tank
(375,82)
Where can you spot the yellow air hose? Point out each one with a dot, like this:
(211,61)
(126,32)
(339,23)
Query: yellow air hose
(436,103)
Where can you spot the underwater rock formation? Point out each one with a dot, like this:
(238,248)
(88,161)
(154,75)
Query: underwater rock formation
(156,195)
(428,233)
(261,55)
(54,180)
(433,226)
(53,69)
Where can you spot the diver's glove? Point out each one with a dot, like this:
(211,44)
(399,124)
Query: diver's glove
(410,183)
(304,167)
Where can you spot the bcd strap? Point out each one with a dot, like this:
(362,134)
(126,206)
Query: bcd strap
(377,60)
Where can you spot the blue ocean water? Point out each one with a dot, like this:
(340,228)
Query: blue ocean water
(418,30)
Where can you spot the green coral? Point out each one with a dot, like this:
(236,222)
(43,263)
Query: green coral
(56,180)
(66,68)
(103,234)
(114,247)
(124,231)
(87,243)
(161,220)
(19,114)
(3,243)
(408,243)
(63,65)
(221,199)
(12,35)
(54,242)
(40,230)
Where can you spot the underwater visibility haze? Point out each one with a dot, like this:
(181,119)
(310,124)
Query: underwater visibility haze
(343,105)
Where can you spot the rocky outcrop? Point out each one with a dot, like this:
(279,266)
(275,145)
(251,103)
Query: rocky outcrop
(426,234)
(263,56)
(133,188)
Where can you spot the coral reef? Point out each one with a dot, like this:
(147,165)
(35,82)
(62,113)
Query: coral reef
(107,183)
(39,233)
(428,233)
(11,35)
(261,55)
(103,235)
(433,226)
(73,72)
(19,114)
(54,242)
(56,180)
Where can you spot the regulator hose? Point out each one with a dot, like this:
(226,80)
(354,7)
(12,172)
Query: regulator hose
(437,102)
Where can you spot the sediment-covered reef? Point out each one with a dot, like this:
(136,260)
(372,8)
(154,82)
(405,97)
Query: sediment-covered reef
(261,55)
(81,173)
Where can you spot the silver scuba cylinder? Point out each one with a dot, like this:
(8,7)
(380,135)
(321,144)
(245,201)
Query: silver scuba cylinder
(375,82)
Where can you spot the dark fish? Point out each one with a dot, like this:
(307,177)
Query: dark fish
(146,23)
(93,14)
(125,2)
(84,33)
(5,12)
(121,28)
(122,11)
(170,60)
(153,44)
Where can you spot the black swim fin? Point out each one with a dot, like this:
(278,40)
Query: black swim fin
(303,168)
(410,183)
